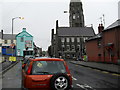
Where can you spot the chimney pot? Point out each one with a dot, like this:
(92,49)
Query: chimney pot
(100,28)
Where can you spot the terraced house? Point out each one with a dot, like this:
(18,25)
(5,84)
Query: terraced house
(24,43)
(9,47)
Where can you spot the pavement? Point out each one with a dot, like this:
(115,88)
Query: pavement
(112,68)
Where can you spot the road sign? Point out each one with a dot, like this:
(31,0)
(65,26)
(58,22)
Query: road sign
(12,58)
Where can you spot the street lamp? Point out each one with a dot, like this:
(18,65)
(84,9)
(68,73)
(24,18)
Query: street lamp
(12,30)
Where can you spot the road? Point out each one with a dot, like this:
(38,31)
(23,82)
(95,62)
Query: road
(84,78)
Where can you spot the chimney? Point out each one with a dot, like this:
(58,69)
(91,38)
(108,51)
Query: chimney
(56,24)
(100,28)
(52,34)
(2,33)
(24,29)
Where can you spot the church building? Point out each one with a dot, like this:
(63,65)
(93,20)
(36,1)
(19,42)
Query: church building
(69,42)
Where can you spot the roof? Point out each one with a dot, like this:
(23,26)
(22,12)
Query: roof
(9,36)
(95,37)
(24,33)
(113,25)
(76,31)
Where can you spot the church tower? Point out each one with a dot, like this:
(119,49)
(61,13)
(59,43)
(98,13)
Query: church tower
(76,17)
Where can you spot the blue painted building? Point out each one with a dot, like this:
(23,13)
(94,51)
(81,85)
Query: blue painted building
(24,43)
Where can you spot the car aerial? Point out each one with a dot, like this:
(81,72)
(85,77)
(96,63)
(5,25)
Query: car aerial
(46,74)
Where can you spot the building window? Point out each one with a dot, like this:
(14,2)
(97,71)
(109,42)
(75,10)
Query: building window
(62,39)
(73,47)
(22,39)
(5,41)
(11,41)
(68,39)
(72,39)
(85,38)
(78,47)
(99,43)
(74,16)
(63,47)
(68,47)
(14,41)
(78,39)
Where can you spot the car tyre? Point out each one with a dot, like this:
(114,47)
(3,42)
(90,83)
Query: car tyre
(60,81)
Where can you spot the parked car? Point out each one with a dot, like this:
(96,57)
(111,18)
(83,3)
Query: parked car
(46,73)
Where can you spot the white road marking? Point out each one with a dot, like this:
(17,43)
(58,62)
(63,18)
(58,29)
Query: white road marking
(82,86)
(74,78)
(85,86)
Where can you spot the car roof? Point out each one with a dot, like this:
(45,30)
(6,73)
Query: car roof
(47,59)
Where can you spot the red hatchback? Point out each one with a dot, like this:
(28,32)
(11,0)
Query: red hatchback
(46,73)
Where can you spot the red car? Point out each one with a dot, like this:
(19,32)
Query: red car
(46,74)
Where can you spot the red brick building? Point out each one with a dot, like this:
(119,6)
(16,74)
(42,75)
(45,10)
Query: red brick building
(105,46)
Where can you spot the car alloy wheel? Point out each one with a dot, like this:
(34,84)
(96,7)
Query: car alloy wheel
(61,83)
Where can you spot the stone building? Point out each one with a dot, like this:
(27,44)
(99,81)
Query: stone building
(69,42)
(76,17)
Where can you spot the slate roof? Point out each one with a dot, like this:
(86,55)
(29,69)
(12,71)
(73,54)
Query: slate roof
(76,31)
(115,24)
(95,37)
(9,36)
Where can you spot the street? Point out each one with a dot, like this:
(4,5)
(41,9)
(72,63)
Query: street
(84,78)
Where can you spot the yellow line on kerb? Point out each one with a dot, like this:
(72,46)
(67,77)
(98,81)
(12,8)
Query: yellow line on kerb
(104,72)
(116,74)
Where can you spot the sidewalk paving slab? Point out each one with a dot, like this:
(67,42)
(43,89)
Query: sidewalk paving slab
(102,66)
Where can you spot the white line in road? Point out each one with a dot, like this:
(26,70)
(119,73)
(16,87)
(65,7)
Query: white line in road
(85,86)
(74,78)
(82,86)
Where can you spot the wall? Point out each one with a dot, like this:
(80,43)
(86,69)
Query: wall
(93,51)
(21,45)
(113,36)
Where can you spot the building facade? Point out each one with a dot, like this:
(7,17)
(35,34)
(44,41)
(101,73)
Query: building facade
(76,17)
(9,47)
(69,42)
(106,45)
(24,43)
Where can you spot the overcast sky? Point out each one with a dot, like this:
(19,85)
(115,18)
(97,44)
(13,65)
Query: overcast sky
(40,16)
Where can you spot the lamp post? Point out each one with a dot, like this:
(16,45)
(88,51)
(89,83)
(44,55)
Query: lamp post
(12,31)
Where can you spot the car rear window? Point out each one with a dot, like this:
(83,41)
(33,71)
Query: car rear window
(48,67)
